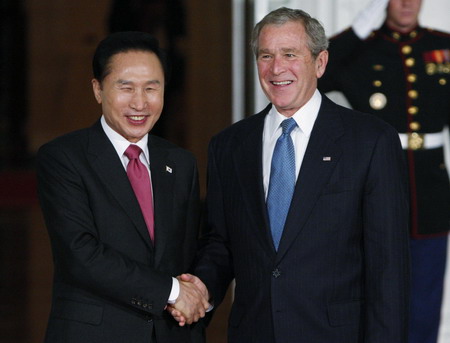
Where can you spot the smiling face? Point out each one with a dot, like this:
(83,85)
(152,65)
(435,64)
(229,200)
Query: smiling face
(402,15)
(287,70)
(132,94)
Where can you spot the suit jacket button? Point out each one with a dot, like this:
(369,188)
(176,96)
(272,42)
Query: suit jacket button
(276,273)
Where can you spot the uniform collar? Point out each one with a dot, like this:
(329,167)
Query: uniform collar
(398,36)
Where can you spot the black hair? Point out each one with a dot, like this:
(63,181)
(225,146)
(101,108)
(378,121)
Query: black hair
(124,42)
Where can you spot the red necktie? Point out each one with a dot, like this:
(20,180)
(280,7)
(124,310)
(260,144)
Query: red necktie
(140,181)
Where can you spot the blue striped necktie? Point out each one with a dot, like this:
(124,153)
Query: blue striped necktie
(282,181)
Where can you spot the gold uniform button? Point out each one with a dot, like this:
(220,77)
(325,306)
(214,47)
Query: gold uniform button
(410,62)
(407,49)
(415,126)
(442,82)
(378,67)
(412,78)
(413,110)
(396,35)
(377,83)
(413,94)
(413,34)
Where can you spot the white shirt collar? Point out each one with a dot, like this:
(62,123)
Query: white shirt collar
(120,143)
(305,117)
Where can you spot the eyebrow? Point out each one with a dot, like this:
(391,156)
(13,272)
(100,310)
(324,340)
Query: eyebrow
(128,82)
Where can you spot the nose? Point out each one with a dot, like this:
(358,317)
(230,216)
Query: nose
(278,65)
(138,101)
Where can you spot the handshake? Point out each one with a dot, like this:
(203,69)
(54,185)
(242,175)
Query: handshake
(192,302)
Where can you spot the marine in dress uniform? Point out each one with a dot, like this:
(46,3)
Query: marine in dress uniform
(404,78)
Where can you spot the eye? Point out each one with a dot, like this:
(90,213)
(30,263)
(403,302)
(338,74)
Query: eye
(264,57)
(290,55)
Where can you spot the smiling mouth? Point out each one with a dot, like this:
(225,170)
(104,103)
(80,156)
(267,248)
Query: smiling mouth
(281,83)
(137,118)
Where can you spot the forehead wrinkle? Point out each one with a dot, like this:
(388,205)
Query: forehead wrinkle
(267,50)
(288,49)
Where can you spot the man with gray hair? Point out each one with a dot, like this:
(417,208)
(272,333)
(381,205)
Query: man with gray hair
(307,207)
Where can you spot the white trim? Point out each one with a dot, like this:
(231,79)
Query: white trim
(238,61)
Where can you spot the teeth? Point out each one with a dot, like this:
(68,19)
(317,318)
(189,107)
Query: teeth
(137,117)
(280,83)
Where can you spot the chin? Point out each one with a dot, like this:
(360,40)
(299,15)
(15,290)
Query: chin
(282,105)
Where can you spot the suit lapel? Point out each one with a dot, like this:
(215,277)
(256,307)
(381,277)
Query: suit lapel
(248,166)
(321,157)
(163,172)
(104,160)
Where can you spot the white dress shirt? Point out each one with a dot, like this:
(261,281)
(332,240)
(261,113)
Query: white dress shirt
(121,144)
(305,118)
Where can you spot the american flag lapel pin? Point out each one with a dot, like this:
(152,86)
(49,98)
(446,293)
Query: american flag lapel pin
(326,158)
(168,169)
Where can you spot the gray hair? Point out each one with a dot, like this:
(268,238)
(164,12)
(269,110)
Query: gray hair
(317,40)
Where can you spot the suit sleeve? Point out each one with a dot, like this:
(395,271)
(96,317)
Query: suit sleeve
(214,265)
(386,243)
(190,245)
(82,259)
(341,50)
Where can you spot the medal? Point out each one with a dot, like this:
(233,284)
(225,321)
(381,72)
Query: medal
(377,101)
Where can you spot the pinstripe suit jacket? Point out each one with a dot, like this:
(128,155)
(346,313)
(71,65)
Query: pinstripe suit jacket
(342,268)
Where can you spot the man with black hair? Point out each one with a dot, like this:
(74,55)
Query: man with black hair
(121,208)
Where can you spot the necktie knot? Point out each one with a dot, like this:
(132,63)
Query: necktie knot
(288,125)
(133,152)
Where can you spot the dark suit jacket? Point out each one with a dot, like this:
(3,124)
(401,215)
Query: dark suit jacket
(110,283)
(342,268)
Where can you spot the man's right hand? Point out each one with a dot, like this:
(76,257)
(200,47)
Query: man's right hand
(192,302)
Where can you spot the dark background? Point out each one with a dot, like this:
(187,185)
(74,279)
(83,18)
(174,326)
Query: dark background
(46,48)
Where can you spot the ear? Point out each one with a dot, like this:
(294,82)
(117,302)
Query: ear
(321,63)
(97,88)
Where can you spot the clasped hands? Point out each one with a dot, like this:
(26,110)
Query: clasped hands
(192,302)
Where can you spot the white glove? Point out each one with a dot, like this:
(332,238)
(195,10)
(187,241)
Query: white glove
(369,18)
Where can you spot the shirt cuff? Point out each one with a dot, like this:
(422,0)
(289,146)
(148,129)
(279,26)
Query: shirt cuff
(175,292)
